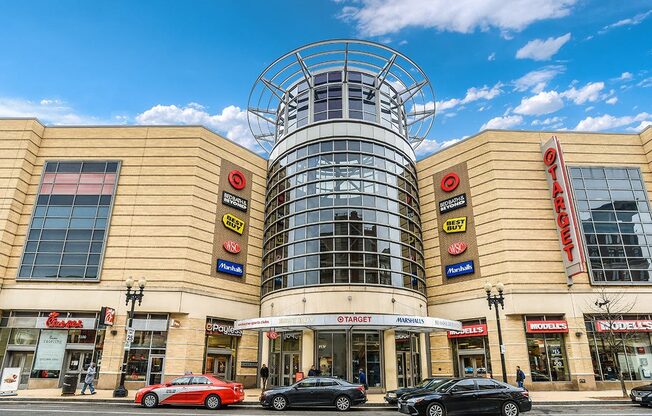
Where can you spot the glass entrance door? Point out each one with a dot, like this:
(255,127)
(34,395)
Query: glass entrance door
(77,362)
(403,369)
(291,365)
(473,365)
(155,369)
(23,360)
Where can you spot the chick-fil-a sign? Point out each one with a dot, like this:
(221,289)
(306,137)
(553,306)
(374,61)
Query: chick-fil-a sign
(565,218)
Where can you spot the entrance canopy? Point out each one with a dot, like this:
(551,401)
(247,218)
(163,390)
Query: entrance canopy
(344,321)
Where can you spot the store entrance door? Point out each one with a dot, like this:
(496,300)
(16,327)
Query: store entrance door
(22,359)
(291,366)
(404,369)
(155,369)
(76,362)
(473,365)
(219,365)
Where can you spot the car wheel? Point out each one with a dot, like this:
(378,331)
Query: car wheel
(343,403)
(212,402)
(279,403)
(150,400)
(435,409)
(510,409)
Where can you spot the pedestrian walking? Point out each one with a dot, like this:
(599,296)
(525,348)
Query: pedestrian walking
(520,376)
(362,378)
(89,379)
(264,374)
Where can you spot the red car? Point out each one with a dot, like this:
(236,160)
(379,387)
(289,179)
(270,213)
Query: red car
(193,390)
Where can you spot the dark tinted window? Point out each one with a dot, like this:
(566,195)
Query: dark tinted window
(328,383)
(465,385)
(181,381)
(308,383)
(487,385)
(200,380)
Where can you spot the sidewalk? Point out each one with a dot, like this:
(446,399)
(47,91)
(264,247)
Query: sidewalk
(251,396)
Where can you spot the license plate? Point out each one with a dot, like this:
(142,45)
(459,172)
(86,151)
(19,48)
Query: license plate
(639,399)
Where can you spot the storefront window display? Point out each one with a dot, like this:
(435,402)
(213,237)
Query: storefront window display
(408,363)
(634,358)
(331,354)
(365,355)
(546,349)
(147,352)
(221,346)
(471,356)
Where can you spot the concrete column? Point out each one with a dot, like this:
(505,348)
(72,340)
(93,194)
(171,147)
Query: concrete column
(264,354)
(389,346)
(307,350)
(423,356)
(578,355)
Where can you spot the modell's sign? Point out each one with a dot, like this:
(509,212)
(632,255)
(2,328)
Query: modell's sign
(624,325)
(565,218)
(546,327)
(475,330)
(219,328)
(234,201)
(453,203)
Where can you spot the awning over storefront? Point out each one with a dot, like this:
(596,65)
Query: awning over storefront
(344,321)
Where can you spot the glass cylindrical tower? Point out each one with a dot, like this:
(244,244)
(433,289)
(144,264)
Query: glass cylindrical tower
(341,120)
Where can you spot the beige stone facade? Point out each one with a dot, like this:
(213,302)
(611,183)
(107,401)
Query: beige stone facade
(518,245)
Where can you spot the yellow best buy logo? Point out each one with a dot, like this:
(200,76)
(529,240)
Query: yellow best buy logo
(455,225)
(233,223)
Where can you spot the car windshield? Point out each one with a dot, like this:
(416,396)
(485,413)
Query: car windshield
(436,384)
(445,385)
(424,383)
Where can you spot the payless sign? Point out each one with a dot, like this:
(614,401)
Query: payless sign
(562,204)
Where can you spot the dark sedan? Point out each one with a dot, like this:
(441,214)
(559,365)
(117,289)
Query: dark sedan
(315,391)
(468,396)
(642,395)
(392,396)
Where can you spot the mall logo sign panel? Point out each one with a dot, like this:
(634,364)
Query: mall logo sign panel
(455,225)
(235,269)
(458,248)
(453,203)
(234,201)
(562,203)
(233,223)
(237,179)
(459,269)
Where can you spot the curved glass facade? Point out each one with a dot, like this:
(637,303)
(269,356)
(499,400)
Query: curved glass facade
(342,212)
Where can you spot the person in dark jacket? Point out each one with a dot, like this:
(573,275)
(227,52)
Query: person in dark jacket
(520,376)
(362,377)
(312,372)
(264,374)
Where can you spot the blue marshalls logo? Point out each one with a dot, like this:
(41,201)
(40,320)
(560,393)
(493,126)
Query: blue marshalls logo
(235,269)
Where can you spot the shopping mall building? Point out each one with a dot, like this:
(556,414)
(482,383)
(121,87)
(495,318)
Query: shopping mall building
(337,249)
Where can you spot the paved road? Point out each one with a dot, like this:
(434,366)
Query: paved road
(24,408)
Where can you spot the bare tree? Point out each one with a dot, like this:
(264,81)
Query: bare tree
(605,314)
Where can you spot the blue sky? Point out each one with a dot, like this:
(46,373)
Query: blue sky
(517,64)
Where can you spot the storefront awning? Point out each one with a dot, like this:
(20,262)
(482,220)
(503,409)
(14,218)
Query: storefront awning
(344,321)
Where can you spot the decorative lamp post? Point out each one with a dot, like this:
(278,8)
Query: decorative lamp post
(495,300)
(131,296)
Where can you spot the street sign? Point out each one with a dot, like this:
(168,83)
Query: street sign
(131,333)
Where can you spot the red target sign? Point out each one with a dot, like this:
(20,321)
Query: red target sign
(449,182)
(237,179)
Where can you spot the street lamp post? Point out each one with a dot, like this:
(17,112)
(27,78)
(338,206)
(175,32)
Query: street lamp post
(495,300)
(131,296)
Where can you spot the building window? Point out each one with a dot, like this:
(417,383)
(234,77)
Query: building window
(362,96)
(147,352)
(546,353)
(284,358)
(365,355)
(471,354)
(634,358)
(331,354)
(614,213)
(69,224)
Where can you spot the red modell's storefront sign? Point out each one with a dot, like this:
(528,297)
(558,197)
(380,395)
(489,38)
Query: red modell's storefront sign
(562,203)
(546,327)
(54,322)
(476,330)
(625,325)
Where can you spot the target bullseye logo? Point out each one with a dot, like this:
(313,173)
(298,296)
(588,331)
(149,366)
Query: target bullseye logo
(237,179)
(550,156)
(449,182)
(340,319)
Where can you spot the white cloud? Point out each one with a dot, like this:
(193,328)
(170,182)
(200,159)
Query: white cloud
(545,102)
(542,50)
(612,100)
(607,121)
(632,21)
(548,121)
(646,83)
(641,126)
(429,146)
(590,92)
(505,122)
(589,108)
(472,94)
(49,111)
(537,80)
(232,121)
(625,76)
(492,56)
(381,17)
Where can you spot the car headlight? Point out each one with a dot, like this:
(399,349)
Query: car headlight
(391,395)
(415,400)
